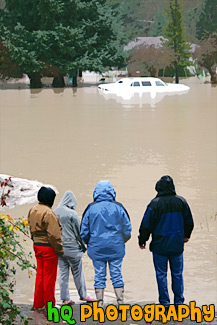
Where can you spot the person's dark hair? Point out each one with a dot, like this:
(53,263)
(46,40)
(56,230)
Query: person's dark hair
(46,195)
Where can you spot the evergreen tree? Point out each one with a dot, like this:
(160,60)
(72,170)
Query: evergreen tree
(55,37)
(207,23)
(190,20)
(157,28)
(174,32)
(137,16)
(146,17)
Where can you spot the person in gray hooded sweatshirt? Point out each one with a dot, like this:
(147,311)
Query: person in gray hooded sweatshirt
(73,248)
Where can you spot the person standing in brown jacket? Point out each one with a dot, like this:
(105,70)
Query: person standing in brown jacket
(46,234)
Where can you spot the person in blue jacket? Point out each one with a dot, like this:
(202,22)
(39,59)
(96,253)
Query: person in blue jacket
(168,218)
(105,228)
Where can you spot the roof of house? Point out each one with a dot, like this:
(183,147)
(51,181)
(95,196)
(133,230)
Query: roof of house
(156,41)
(148,41)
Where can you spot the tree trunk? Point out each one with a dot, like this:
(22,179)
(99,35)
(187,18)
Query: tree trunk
(74,79)
(58,81)
(35,80)
(156,73)
(153,72)
(213,76)
(80,73)
(176,73)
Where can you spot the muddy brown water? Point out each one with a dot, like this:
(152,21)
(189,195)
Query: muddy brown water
(74,138)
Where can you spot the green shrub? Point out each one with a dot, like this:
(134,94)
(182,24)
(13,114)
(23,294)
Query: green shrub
(12,253)
(170,72)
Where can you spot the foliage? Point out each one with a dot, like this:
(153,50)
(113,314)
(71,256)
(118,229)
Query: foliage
(52,38)
(11,252)
(206,31)
(169,72)
(57,37)
(146,17)
(7,65)
(206,25)
(148,60)
(4,195)
(157,28)
(205,56)
(190,20)
(136,16)
(174,31)
(2,4)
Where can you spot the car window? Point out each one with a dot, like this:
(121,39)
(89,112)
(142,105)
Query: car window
(136,84)
(120,82)
(146,83)
(159,83)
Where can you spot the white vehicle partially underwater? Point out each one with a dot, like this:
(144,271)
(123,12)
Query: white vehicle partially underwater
(127,87)
(142,84)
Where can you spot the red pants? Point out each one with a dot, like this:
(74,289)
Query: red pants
(47,261)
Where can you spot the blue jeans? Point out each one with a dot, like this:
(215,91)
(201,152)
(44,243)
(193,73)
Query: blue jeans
(115,273)
(176,267)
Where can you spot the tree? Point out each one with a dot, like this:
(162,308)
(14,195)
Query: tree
(148,60)
(102,41)
(157,28)
(8,67)
(137,16)
(205,56)
(191,11)
(207,23)
(174,32)
(146,17)
(190,20)
(206,32)
(56,37)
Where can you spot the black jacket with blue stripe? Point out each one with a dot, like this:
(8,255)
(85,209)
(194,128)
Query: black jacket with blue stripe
(168,219)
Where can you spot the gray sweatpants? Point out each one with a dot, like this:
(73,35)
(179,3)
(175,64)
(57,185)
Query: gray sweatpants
(71,259)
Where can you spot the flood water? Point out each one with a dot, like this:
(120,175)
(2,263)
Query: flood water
(74,138)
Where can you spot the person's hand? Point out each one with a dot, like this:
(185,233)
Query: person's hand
(186,240)
(142,246)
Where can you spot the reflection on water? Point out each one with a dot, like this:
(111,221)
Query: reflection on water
(74,138)
(35,91)
(74,91)
(140,91)
(58,90)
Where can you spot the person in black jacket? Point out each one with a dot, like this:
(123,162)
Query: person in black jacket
(168,218)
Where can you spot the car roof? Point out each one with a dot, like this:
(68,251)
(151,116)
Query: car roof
(140,79)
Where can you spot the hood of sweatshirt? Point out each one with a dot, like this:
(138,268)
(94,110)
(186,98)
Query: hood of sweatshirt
(69,200)
(104,191)
(165,186)
(46,195)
